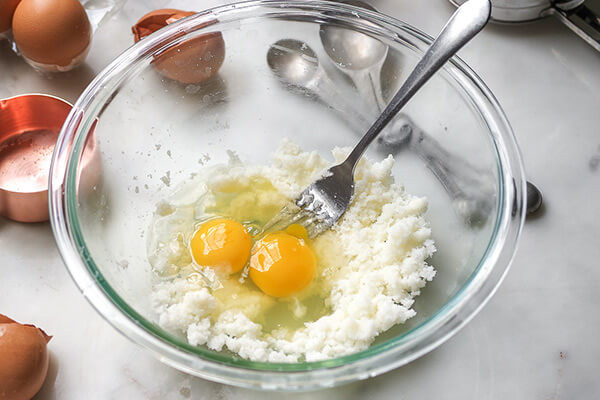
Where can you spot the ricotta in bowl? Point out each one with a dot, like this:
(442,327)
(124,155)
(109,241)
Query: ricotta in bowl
(370,266)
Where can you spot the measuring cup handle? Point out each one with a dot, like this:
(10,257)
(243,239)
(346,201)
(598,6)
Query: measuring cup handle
(580,19)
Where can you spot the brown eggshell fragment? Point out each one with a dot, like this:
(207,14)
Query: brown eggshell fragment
(23,359)
(178,16)
(5,320)
(192,61)
(7,9)
(154,20)
(52,32)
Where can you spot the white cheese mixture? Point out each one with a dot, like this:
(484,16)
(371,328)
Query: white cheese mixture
(371,265)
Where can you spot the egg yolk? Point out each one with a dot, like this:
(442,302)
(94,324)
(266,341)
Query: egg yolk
(297,230)
(221,243)
(282,264)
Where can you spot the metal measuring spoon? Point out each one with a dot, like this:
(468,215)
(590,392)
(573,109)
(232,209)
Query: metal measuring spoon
(297,66)
(534,199)
(359,56)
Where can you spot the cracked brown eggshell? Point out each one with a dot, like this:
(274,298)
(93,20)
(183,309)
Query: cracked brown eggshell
(192,61)
(23,359)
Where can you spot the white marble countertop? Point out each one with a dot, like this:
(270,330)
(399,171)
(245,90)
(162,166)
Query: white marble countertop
(536,339)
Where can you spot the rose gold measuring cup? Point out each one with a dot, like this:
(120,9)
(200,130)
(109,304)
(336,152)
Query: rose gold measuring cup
(29,127)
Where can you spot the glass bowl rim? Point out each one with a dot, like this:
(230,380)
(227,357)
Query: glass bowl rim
(299,376)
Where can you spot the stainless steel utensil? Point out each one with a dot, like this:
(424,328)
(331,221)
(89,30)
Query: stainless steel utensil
(359,56)
(323,202)
(534,199)
(581,16)
(297,66)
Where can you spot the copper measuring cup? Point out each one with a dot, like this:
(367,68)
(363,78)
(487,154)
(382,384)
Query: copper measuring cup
(29,127)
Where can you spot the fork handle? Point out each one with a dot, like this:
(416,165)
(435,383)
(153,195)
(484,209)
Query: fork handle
(468,20)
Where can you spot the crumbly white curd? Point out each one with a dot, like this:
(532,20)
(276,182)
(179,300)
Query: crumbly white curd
(370,267)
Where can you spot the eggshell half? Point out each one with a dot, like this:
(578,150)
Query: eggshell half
(23,359)
(156,19)
(192,61)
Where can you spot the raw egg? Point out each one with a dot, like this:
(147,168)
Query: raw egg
(192,61)
(223,244)
(282,264)
(23,359)
(53,35)
(7,9)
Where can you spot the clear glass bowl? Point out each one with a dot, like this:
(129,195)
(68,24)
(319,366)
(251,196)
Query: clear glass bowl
(133,135)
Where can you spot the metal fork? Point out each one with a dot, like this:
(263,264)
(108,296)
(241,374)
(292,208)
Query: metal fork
(323,203)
